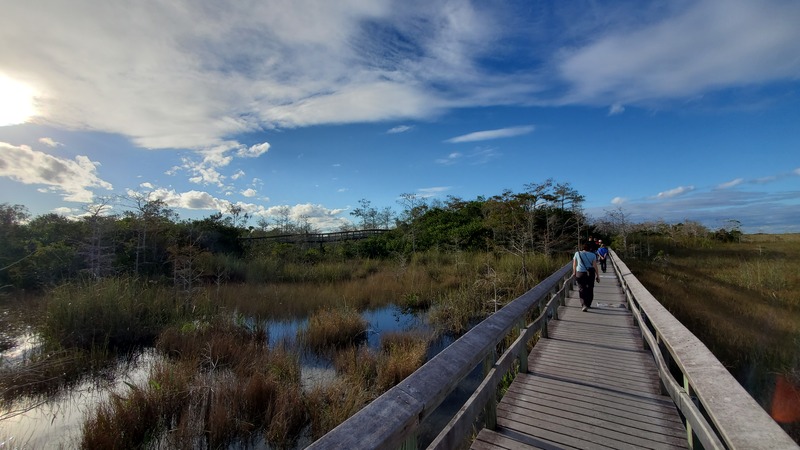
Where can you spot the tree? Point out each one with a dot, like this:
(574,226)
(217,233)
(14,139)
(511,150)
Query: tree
(97,249)
(13,250)
(367,214)
(149,217)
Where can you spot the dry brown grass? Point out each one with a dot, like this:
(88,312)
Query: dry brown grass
(333,403)
(222,385)
(741,299)
(332,328)
(401,354)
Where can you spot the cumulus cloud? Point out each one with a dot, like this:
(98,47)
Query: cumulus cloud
(492,134)
(239,174)
(318,216)
(49,142)
(618,200)
(73,179)
(675,192)
(249,192)
(253,151)
(147,185)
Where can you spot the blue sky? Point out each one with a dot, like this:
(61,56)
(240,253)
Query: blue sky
(671,110)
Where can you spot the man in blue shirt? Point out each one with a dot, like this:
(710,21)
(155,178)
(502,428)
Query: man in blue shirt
(602,254)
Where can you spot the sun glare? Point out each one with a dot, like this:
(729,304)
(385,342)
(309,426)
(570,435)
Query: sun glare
(16,102)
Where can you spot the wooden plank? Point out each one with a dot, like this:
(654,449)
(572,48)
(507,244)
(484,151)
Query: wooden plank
(590,385)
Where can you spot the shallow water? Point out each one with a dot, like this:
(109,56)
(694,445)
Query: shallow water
(56,422)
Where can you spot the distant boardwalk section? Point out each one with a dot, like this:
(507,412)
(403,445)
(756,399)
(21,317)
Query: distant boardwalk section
(319,238)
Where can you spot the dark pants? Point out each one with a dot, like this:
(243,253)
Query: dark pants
(585,288)
(603,264)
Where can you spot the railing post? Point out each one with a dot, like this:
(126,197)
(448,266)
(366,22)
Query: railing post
(410,443)
(490,410)
(689,433)
(523,350)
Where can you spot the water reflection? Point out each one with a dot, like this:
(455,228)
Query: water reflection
(51,423)
(56,422)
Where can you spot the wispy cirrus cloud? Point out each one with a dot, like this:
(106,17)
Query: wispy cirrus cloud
(433,191)
(680,190)
(492,134)
(730,184)
(399,129)
(684,50)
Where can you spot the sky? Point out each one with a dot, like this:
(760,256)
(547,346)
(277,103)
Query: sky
(666,110)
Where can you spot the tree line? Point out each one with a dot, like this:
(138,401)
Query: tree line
(150,240)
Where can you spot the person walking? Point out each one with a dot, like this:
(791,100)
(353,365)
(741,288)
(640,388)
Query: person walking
(602,255)
(584,269)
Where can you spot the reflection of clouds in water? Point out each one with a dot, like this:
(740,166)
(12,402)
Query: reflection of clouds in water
(57,422)
(25,345)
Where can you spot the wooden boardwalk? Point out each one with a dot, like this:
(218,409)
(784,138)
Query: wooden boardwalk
(590,385)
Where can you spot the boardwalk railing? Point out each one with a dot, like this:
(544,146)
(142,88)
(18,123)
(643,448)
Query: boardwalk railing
(391,420)
(317,238)
(717,410)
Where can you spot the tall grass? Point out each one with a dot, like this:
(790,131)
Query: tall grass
(223,385)
(117,313)
(741,299)
(332,328)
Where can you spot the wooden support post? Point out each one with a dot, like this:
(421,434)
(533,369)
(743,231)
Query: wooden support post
(523,352)
(410,443)
(690,440)
(490,410)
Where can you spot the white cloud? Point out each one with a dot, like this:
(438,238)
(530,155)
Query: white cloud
(492,134)
(616,109)
(72,178)
(49,142)
(618,200)
(318,216)
(399,129)
(731,183)
(708,45)
(433,191)
(675,192)
(239,174)
(147,185)
(250,192)
(451,159)
(253,151)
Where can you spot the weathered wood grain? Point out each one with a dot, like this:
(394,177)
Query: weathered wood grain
(590,385)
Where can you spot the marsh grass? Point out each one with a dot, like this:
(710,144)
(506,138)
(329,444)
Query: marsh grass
(741,299)
(333,403)
(221,385)
(401,354)
(332,328)
(116,313)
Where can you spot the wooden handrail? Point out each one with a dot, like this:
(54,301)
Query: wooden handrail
(391,420)
(718,411)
